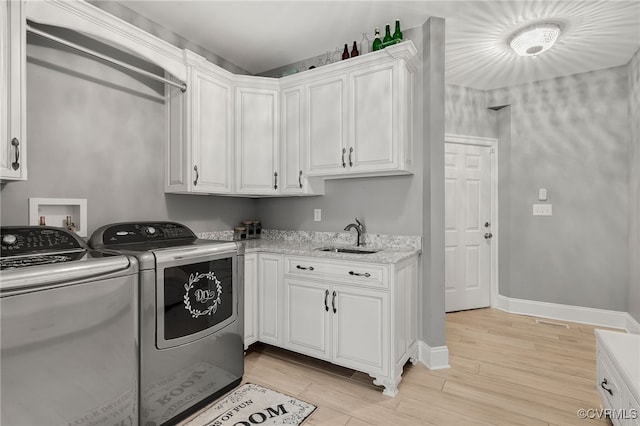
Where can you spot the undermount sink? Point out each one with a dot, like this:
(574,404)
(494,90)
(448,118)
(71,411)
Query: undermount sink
(348,250)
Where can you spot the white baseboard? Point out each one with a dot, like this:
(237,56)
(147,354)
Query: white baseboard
(435,358)
(592,316)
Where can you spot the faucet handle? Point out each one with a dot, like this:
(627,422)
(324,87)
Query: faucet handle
(359,223)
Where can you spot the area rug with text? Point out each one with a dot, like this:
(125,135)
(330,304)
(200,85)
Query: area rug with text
(252,404)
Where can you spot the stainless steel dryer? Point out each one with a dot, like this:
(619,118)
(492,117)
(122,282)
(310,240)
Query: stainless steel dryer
(68,327)
(191,315)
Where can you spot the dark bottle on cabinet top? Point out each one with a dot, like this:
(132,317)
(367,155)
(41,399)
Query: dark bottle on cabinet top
(397,35)
(387,35)
(345,52)
(377,43)
(354,50)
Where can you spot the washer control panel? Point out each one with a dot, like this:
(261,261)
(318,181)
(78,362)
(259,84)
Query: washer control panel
(140,232)
(16,240)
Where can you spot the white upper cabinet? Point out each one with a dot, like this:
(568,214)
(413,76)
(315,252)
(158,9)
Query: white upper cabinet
(199,155)
(13,153)
(295,180)
(326,140)
(257,164)
(360,115)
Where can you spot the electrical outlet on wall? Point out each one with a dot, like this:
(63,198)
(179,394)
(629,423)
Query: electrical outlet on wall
(542,210)
(317,215)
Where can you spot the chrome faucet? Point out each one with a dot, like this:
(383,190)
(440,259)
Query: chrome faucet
(359,229)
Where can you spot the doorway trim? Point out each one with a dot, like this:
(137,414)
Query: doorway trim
(492,144)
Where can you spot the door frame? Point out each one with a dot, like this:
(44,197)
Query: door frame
(492,144)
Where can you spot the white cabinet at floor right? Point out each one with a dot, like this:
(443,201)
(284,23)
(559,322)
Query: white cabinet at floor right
(354,314)
(250,299)
(618,375)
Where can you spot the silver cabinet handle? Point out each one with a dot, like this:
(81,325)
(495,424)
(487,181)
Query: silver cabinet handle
(358,274)
(333,302)
(275,180)
(350,152)
(344,151)
(195,169)
(16,143)
(300,179)
(305,268)
(326,295)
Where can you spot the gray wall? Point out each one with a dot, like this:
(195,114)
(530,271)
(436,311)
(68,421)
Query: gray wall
(568,135)
(633,297)
(97,132)
(466,113)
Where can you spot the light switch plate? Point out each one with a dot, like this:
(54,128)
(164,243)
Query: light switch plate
(317,215)
(542,210)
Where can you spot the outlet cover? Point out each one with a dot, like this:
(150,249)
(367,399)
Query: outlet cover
(542,210)
(317,215)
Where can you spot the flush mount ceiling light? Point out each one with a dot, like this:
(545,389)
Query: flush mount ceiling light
(534,39)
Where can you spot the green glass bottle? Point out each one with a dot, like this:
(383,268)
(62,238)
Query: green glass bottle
(387,36)
(397,35)
(377,43)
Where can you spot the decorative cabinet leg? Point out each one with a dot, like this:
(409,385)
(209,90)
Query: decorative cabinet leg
(413,360)
(390,386)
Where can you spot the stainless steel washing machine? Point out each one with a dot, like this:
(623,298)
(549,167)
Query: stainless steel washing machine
(68,346)
(191,315)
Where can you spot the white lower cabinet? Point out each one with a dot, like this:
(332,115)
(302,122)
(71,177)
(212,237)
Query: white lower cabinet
(270,298)
(354,314)
(250,299)
(307,322)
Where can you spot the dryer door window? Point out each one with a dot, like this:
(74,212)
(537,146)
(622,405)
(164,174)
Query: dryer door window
(195,300)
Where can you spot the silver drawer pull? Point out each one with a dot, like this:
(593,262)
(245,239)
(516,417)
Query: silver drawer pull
(358,274)
(305,268)
(602,385)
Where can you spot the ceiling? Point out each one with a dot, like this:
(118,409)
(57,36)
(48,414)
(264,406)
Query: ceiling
(262,35)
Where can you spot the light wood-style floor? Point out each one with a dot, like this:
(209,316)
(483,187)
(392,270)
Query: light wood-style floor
(505,370)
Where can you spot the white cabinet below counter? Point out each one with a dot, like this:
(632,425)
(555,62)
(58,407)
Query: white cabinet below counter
(357,315)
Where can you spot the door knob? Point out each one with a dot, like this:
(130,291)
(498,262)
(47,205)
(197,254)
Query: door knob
(488,235)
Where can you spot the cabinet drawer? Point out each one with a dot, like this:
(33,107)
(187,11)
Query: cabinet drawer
(610,386)
(362,273)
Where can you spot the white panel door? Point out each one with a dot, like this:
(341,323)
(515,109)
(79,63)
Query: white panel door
(307,318)
(467,227)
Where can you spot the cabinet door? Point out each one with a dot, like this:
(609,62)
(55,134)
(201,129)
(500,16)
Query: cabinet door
(270,298)
(293,179)
(306,319)
(257,141)
(13,150)
(211,133)
(373,134)
(327,127)
(250,299)
(360,329)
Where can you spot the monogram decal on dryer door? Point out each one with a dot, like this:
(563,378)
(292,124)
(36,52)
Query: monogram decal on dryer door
(202,295)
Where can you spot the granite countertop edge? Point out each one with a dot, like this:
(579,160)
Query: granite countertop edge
(389,255)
